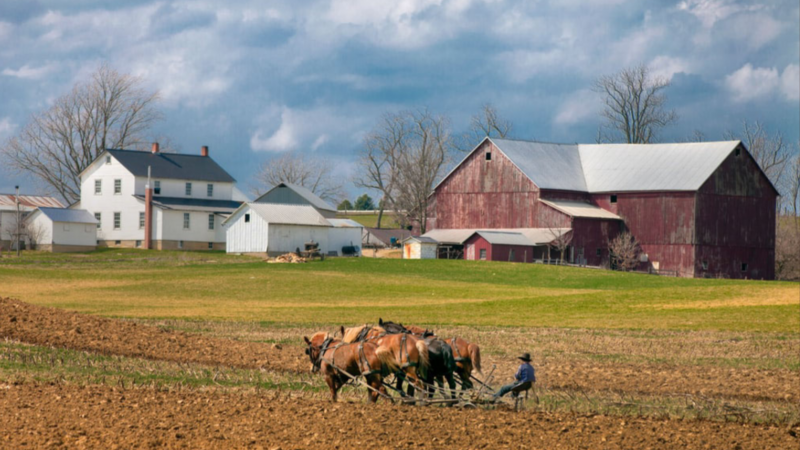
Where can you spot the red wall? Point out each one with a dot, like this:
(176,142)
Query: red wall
(593,234)
(522,253)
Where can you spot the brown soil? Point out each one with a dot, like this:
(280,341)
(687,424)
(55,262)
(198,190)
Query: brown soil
(58,328)
(39,416)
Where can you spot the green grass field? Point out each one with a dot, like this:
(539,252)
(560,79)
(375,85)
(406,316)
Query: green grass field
(215,286)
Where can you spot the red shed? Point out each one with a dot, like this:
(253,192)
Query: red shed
(696,209)
(499,246)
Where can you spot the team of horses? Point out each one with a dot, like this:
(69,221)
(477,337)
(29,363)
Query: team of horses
(414,355)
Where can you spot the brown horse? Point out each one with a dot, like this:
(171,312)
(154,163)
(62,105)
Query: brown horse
(331,357)
(409,354)
(468,357)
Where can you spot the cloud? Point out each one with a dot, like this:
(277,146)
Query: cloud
(710,12)
(666,66)
(28,72)
(578,107)
(760,83)
(283,139)
(6,128)
(320,141)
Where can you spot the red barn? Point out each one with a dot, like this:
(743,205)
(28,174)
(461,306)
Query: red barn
(696,209)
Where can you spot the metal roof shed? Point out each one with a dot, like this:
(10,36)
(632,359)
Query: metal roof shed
(419,247)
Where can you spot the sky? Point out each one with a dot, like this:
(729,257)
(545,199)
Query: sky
(254,79)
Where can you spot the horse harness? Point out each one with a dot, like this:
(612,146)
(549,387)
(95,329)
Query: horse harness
(362,357)
(458,358)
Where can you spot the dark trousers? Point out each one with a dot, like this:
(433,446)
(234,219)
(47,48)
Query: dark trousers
(516,388)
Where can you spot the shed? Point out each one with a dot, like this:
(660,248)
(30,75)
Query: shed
(62,230)
(419,247)
(499,246)
(384,237)
(344,237)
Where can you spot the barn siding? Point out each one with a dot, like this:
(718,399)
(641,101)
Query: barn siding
(736,221)
(591,235)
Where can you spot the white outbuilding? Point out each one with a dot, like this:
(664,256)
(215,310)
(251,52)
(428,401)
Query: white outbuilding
(275,229)
(62,230)
(419,247)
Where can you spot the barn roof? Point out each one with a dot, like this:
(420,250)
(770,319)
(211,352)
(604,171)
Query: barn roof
(279,213)
(28,202)
(535,236)
(505,238)
(580,209)
(616,167)
(306,193)
(68,215)
(174,166)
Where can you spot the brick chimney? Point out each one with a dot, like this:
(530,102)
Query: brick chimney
(204,150)
(155,148)
(148,208)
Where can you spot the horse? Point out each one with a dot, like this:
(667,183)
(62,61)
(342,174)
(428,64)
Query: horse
(442,366)
(331,357)
(392,328)
(467,357)
(410,354)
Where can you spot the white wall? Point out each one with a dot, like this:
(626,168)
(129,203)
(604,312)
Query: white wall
(70,233)
(246,237)
(46,226)
(177,188)
(418,250)
(288,238)
(342,237)
(171,227)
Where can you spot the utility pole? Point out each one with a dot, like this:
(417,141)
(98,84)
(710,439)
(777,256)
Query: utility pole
(16,198)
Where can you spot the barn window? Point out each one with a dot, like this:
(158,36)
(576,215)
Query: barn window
(157,187)
(186,217)
(188,188)
(247,218)
(614,198)
(483,254)
(511,255)
(488,156)
(599,252)
(738,151)
(705,265)
(97,217)
(117,220)
(744,267)
(210,221)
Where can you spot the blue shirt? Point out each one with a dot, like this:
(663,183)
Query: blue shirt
(525,373)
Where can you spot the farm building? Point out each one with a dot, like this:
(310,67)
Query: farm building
(62,230)
(292,194)
(419,247)
(8,213)
(276,229)
(384,237)
(696,209)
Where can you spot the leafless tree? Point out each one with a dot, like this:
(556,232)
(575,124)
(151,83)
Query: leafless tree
(634,106)
(562,239)
(486,123)
(402,159)
(787,248)
(312,172)
(33,233)
(793,187)
(624,251)
(110,110)
(769,150)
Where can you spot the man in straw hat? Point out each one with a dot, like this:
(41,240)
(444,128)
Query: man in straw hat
(525,378)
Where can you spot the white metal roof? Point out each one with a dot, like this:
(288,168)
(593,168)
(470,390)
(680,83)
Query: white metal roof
(68,215)
(580,209)
(505,238)
(8,202)
(344,223)
(289,214)
(534,236)
(421,239)
(450,236)
(550,166)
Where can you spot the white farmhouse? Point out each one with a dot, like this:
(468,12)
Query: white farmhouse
(8,214)
(62,230)
(190,197)
(276,229)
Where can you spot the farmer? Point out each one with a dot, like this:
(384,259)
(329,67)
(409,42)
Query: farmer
(525,377)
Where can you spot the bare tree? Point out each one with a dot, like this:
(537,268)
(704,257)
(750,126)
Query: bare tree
(486,123)
(402,158)
(769,150)
(624,251)
(110,110)
(311,172)
(562,239)
(793,187)
(634,106)
(787,248)
(34,233)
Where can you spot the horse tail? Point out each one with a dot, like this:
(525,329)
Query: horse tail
(424,360)
(475,356)
(351,334)
(388,362)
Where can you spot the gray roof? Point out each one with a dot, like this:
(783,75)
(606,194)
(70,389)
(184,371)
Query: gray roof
(617,167)
(384,235)
(68,215)
(309,196)
(194,204)
(422,239)
(535,236)
(171,165)
(580,209)
(505,238)
(344,223)
(279,213)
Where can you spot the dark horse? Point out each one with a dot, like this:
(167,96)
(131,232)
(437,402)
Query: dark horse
(442,364)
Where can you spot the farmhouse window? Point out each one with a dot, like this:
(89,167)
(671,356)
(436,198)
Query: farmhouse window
(117,187)
(98,187)
(211,246)
(483,254)
(117,242)
(613,199)
(210,190)
(180,244)
(185,221)
(141,220)
(247,218)
(117,220)
(157,187)
(108,160)
(97,216)
(744,267)
(210,221)
(188,188)
(138,244)
(488,156)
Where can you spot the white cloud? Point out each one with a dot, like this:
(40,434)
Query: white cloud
(666,66)
(710,12)
(320,141)
(6,127)
(283,139)
(759,83)
(27,72)
(579,106)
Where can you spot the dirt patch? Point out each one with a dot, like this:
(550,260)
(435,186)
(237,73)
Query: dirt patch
(59,328)
(69,416)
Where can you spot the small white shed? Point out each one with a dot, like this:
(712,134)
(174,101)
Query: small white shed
(419,247)
(62,230)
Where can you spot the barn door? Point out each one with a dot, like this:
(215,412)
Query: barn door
(471,252)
